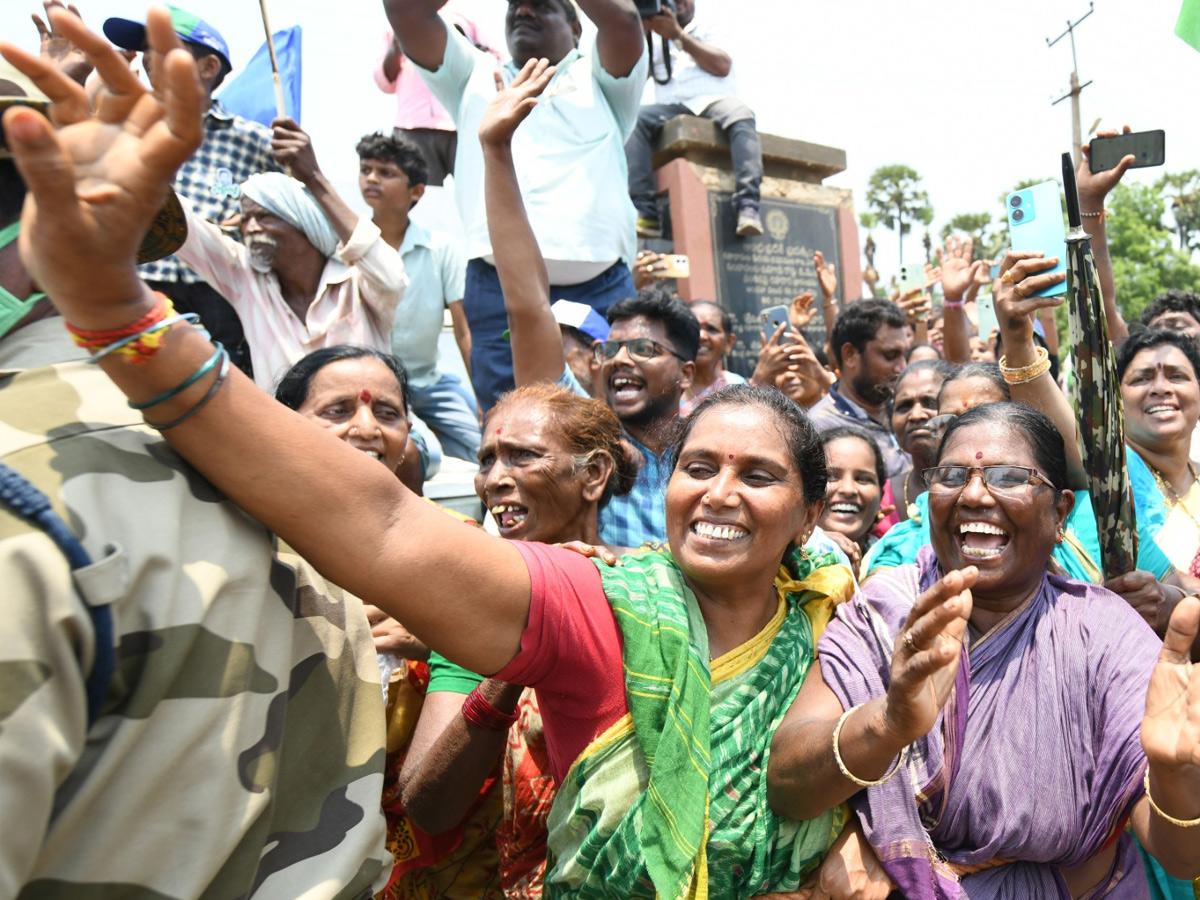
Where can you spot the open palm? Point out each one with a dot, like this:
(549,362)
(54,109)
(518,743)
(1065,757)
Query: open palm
(106,172)
(1171,727)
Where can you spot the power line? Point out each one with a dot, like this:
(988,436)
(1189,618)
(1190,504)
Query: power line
(1076,87)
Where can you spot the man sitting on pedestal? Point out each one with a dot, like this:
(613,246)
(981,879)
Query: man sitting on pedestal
(692,75)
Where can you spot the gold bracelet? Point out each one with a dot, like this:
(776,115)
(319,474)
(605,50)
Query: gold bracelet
(837,755)
(1178,823)
(1026,373)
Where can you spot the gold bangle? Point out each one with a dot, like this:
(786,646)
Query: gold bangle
(1026,373)
(837,755)
(1178,823)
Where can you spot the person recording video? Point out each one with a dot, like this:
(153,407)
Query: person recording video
(692,75)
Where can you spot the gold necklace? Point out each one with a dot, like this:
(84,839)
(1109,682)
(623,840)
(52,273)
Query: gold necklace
(1171,497)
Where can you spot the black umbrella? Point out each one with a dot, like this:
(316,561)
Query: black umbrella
(1095,394)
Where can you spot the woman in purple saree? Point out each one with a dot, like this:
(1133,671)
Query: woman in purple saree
(1009,704)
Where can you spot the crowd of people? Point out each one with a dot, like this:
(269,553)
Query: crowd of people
(839,627)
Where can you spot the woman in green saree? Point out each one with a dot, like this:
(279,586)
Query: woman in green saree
(661,679)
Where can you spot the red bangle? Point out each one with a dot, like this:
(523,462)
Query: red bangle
(478,711)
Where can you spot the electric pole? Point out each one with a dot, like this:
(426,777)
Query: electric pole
(1076,87)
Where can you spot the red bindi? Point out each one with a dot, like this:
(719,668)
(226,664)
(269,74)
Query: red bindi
(499,430)
(731,456)
(365,396)
(978,454)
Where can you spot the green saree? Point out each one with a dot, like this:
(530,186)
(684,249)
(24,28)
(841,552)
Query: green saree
(670,802)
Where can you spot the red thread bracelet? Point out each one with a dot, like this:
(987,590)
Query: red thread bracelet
(478,711)
(98,339)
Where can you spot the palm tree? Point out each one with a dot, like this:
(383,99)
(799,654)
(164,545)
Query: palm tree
(895,195)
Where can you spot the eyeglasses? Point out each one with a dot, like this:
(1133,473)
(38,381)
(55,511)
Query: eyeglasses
(1005,480)
(640,349)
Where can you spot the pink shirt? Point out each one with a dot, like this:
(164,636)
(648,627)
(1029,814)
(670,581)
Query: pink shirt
(415,104)
(570,652)
(360,288)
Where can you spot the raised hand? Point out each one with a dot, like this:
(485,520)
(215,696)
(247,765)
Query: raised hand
(915,305)
(1094,188)
(59,51)
(827,275)
(512,104)
(647,268)
(1022,273)
(802,310)
(665,24)
(1171,727)
(956,267)
(293,149)
(777,356)
(927,653)
(97,179)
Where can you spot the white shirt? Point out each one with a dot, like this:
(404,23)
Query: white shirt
(360,288)
(569,156)
(437,274)
(690,85)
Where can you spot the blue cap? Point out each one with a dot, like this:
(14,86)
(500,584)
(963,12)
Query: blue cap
(131,35)
(582,317)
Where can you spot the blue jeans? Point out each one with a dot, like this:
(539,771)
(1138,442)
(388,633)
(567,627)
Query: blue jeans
(448,408)
(731,116)
(483,304)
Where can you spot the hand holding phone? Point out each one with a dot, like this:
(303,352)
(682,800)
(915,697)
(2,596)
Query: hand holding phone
(674,265)
(1035,222)
(1148,148)
(772,319)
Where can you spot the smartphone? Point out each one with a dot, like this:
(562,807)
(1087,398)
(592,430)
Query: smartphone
(1035,222)
(772,318)
(1148,148)
(676,266)
(912,278)
(986,310)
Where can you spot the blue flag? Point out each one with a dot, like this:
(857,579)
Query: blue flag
(252,94)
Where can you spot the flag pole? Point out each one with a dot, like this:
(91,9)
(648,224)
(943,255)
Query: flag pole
(280,109)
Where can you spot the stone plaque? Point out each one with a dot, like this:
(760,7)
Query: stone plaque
(754,274)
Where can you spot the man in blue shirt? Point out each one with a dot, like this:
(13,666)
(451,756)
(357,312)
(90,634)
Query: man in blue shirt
(570,157)
(392,175)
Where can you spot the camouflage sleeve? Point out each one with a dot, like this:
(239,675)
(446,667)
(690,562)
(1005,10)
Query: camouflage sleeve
(45,642)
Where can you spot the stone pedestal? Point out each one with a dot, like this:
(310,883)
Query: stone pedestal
(800,216)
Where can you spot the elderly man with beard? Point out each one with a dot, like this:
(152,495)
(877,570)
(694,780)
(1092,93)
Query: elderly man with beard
(311,273)
(869,342)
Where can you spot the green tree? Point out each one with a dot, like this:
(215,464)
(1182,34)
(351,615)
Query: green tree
(982,229)
(895,195)
(1145,262)
(1183,188)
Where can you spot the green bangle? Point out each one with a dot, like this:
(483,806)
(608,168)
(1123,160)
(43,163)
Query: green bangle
(192,379)
(216,386)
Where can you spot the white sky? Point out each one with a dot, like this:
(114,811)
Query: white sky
(960,91)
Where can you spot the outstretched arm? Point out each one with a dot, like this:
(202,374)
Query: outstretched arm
(1093,189)
(619,36)
(1022,273)
(419,30)
(293,150)
(1171,740)
(536,339)
(95,182)
(803,778)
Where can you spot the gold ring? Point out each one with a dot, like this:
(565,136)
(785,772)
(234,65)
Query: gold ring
(910,642)
(1007,277)
(1017,288)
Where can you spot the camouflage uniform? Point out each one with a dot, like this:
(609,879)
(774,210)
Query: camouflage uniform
(241,748)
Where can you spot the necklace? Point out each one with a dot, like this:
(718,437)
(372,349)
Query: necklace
(909,507)
(1172,498)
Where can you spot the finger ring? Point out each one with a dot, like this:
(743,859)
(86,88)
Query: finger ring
(910,642)
(1008,278)
(1017,288)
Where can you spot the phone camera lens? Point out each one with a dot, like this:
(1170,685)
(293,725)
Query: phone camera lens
(1015,201)
(1018,215)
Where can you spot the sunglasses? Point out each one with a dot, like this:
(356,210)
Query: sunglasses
(997,479)
(639,349)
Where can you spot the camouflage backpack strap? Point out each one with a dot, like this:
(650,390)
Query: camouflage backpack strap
(29,503)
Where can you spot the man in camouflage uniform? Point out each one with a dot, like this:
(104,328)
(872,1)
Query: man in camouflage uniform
(240,748)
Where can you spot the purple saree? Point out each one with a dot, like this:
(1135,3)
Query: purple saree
(1036,760)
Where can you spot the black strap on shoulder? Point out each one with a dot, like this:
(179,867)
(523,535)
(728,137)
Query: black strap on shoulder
(31,504)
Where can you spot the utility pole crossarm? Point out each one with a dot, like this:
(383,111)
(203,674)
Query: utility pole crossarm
(1076,87)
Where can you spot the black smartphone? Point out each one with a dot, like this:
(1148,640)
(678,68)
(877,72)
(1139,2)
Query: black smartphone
(1149,148)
